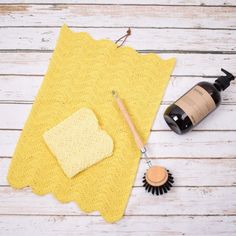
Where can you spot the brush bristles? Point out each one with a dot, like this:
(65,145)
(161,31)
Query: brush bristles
(159,190)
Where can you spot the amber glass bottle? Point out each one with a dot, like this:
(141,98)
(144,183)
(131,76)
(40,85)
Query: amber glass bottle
(196,104)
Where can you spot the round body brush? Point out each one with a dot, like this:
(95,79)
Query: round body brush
(157,179)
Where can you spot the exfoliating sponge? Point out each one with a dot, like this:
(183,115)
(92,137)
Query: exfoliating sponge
(78,142)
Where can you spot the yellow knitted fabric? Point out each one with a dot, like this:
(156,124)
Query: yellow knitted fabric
(82,73)
(78,142)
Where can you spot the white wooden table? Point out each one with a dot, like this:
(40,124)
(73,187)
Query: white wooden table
(201,34)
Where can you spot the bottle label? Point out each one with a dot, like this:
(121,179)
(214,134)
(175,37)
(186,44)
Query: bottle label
(196,103)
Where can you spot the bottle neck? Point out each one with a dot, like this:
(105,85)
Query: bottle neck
(218,86)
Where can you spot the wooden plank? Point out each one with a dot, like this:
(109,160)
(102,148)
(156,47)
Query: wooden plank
(118,16)
(17,89)
(179,201)
(129,2)
(198,144)
(187,172)
(129,225)
(187,64)
(141,39)
(194,172)
(193,144)
(226,113)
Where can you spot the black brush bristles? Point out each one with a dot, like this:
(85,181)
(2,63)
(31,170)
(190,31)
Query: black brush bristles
(159,190)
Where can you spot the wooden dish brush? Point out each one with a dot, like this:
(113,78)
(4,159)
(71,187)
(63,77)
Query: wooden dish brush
(157,179)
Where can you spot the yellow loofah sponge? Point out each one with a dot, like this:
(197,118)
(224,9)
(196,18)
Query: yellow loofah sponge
(78,142)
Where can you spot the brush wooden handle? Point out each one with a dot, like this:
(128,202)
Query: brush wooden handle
(125,113)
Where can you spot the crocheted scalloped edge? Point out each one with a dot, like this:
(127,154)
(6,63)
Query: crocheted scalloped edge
(65,29)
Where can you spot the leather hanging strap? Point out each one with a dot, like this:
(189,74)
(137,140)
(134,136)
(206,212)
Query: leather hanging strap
(124,37)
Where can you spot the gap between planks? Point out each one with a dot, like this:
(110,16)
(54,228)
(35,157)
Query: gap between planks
(93,3)
(125,215)
(113,27)
(123,3)
(129,2)
(14,51)
(166,158)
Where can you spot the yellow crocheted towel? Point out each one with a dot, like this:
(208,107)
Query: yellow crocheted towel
(78,142)
(82,73)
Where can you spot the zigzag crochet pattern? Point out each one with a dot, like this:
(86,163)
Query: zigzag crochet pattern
(82,73)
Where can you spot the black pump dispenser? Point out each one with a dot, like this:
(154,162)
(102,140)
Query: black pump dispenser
(223,82)
(196,104)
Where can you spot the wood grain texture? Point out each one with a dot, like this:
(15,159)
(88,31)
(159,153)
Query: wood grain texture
(179,201)
(201,34)
(163,144)
(141,39)
(129,225)
(188,64)
(187,172)
(118,16)
(23,89)
(130,2)
(214,122)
